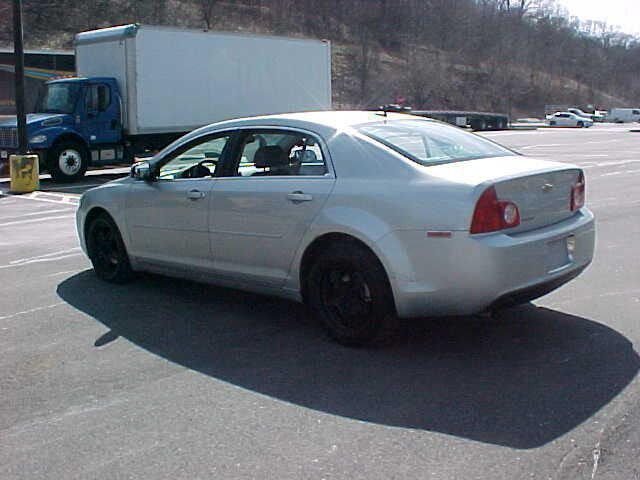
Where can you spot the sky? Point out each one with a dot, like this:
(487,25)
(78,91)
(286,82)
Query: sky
(622,13)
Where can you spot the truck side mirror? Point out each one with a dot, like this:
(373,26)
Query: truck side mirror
(142,171)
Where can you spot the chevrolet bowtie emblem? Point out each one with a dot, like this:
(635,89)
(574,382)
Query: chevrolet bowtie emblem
(547,187)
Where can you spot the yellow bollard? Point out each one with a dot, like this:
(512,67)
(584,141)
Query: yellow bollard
(25,173)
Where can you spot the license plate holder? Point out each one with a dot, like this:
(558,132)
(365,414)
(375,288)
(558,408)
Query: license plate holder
(558,255)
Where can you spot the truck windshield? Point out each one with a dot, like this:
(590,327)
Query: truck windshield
(58,98)
(430,143)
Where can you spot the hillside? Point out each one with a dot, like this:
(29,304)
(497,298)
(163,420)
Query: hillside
(505,55)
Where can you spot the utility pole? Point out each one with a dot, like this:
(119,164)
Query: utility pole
(24,169)
(18,49)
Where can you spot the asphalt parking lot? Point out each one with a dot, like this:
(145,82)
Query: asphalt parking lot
(169,379)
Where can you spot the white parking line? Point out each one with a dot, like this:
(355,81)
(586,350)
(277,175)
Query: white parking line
(622,172)
(611,164)
(67,199)
(35,220)
(37,309)
(71,187)
(44,255)
(64,272)
(33,214)
(40,260)
(541,146)
(504,134)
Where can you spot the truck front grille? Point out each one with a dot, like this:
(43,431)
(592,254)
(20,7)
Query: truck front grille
(9,137)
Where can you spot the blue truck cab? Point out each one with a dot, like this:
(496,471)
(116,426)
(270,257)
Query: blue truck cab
(77,123)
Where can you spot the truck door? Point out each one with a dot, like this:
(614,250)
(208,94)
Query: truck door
(102,114)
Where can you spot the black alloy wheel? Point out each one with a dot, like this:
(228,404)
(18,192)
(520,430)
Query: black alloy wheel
(348,290)
(107,251)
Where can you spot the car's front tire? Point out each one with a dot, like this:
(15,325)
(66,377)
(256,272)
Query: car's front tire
(349,292)
(107,251)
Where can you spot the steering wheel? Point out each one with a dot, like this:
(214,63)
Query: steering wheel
(200,169)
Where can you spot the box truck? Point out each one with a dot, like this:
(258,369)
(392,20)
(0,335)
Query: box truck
(140,87)
(624,115)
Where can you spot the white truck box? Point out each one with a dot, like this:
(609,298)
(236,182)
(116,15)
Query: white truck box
(175,80)
(623,115)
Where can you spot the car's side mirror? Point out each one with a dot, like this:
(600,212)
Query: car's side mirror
(142,171)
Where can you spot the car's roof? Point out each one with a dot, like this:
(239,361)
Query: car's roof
(321,121)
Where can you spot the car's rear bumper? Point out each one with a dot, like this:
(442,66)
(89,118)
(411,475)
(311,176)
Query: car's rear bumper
(467,274)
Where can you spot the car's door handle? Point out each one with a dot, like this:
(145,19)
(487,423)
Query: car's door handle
(195,194)
(299,197)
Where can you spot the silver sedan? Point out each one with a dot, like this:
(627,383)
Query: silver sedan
(364,216)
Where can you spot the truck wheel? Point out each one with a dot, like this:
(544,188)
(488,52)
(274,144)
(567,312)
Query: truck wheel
(479,125)
(107,251)
(67,161)
(349,292)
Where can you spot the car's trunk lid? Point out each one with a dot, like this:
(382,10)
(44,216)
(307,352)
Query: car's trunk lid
(541,189)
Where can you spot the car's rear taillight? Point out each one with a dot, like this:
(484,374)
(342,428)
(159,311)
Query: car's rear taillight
(491,214)
(577,193)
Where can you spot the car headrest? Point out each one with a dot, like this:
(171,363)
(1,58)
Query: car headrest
(306,156)
(270,156)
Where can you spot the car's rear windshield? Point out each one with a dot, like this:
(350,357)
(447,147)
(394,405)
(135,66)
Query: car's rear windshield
(428,142)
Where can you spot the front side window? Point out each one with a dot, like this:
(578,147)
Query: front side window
(279,153)
(199,160)
(98,98)
(428,142)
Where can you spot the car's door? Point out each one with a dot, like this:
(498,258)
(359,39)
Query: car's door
(263,204)
(563,119)
(168,218)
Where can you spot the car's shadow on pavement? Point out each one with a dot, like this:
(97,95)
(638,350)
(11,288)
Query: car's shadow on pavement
(520,380)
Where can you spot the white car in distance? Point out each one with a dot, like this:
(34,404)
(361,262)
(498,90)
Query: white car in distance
(595,117)
(568,119)
(365,216)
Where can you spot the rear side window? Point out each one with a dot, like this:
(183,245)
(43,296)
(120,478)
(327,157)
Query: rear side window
(428,142)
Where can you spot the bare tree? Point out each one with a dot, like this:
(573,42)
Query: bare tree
(207,10)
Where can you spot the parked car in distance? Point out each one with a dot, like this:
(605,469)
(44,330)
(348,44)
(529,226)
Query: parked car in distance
(595,117)
(568,119)
(365,216)
(624,115)
(601,115)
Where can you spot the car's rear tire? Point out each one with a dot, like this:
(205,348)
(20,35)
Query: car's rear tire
(67,161)
(107,251)
(348,290)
